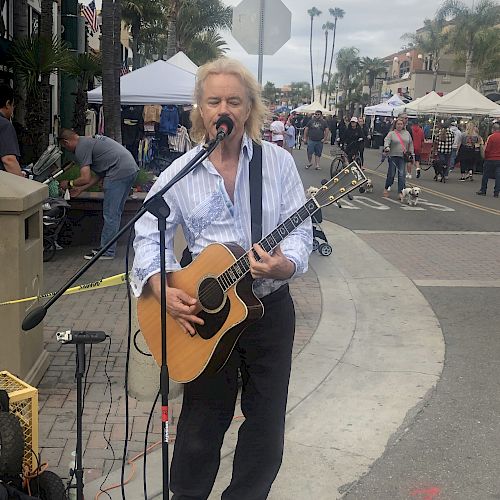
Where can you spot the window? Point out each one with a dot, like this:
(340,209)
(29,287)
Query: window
(5,19)
(404,68)
(34,21)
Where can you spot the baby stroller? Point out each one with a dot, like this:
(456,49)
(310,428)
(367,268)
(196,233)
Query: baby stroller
(54,217)
(324,248)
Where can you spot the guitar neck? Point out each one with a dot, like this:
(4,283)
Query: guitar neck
(241,267)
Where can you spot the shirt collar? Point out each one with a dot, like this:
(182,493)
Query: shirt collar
(246,147)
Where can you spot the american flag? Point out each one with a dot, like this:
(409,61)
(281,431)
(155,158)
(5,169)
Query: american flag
(124,69)
(89,13)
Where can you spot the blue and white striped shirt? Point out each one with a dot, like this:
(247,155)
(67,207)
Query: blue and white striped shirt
(200,204)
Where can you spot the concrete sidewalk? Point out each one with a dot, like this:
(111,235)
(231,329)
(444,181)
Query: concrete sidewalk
(374,356)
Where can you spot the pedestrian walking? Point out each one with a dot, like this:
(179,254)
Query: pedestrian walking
(444,146)
(491,162)
(364,129)
(289,136)
(457,133)
(315,135)
(277,129)
(418,142)
(469,153)
(110,162)
(398,146)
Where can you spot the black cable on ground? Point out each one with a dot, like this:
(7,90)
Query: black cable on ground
(144,469)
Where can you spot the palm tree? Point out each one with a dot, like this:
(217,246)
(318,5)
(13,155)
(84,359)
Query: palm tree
(312,13)
(83,67)
(468,24)
(337,14)
(34,59)
(140,15)
(328,26)
(372,67)
(432,40)
(111,64)
(206,47)
(487,59)
(198,23)
(348,64)
(173,16)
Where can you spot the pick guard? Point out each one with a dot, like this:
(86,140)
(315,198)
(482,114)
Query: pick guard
(213,321)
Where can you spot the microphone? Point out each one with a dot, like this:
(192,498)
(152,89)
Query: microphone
(224,127)
(34,317)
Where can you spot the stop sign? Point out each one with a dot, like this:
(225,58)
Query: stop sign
(277,25)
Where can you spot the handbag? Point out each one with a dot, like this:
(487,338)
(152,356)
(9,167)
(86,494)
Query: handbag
(407,157)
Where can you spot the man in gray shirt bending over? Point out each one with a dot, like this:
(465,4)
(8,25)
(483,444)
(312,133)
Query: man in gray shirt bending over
(110,161)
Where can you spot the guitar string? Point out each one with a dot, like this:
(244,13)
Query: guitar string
(321,198)
(212,288)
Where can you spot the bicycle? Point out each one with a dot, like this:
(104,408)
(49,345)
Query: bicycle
(341,160)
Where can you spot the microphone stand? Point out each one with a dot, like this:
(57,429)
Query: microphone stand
(157,206)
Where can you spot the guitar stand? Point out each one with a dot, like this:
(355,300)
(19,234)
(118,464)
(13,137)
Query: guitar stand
(80,340)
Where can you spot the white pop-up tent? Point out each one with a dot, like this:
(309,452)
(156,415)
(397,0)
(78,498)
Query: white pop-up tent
(311,108)
(158,83)
(422,105)
(181,60)
(465,101)
(385,108)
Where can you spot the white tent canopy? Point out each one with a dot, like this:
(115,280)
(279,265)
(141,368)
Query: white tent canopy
(422,105)
(182,61)
(158,83)
(466,101)
(385,108)
(311,108)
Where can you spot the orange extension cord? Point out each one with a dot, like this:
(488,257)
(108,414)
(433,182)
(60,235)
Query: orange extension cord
(131,463)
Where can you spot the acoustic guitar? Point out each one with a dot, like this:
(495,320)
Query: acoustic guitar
(220,279)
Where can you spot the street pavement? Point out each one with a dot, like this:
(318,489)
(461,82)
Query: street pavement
(374,413)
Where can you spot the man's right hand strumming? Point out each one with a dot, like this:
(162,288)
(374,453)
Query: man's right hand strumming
(180,305)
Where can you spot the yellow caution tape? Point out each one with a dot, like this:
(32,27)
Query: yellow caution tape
(119,279)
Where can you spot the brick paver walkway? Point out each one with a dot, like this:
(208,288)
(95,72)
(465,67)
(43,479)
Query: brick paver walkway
(106,310)
(439,256)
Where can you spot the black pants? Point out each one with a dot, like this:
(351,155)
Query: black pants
(263,355)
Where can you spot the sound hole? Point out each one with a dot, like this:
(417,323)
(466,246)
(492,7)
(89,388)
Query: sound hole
(210,294)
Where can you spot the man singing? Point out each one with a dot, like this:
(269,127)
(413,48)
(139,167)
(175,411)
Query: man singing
(212,204)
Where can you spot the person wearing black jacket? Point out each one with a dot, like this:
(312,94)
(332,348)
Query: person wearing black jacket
(353,139)
(364,128)
(333,125)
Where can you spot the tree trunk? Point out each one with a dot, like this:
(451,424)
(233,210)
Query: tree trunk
(136,59)
(331,62)
(311,58)
(108,66)
(324,67)
(118,63)
(468,67)
(21,30)
(172,28)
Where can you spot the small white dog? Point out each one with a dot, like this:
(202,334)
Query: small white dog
(410,196)
(369,186)
(311,191)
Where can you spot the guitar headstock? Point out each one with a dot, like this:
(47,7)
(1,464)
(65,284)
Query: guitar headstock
(349,178)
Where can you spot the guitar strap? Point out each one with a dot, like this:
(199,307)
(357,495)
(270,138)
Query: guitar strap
(255,174)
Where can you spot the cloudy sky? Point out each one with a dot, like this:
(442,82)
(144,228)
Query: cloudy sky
(373,26)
